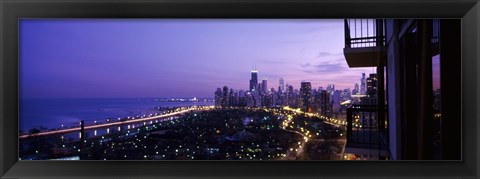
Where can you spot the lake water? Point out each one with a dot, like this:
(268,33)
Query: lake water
(52,113)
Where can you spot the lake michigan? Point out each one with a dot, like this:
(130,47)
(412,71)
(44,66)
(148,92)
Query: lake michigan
(53,113)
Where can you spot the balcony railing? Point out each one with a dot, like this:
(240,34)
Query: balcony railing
(364,130)
(360,33)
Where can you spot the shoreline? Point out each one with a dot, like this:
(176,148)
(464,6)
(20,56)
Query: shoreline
(55,114)
(106,125)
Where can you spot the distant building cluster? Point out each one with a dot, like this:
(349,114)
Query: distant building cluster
(327,102)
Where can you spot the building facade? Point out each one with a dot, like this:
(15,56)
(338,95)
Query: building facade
(403,124)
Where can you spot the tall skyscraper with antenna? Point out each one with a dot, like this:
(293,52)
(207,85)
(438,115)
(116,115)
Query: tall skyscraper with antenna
(254,80)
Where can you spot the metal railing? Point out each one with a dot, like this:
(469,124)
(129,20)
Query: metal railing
(364,130)
(360,33)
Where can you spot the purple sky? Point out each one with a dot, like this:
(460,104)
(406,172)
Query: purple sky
(177,58)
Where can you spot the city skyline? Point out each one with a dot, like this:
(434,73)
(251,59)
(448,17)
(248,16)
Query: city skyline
(166,58)
(254,83)
(182,89)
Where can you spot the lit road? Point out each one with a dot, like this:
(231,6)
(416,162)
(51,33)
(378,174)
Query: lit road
(295,153)
(117,123)
(331,121)
(299,150)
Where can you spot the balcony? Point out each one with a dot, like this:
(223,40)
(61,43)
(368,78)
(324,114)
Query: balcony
(366,135)
(364,42)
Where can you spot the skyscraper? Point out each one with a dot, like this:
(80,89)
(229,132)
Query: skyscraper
(372,84)
(259,89)
(225,100)
(290,95)
(356,89)
(281,87)
(336,98)
(218,97)
(346,94)
(253,80)
(305,95)
(330,88)
(241,98)
(264,86)
(325,107)
(231,98)
(315,101)
(249,101)
(363,87)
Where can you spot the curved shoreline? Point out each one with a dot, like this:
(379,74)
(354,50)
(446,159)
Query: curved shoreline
(62,131)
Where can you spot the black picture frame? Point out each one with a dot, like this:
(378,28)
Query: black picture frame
(12,10)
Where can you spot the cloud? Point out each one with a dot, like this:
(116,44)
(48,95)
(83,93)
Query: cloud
(323,54)
(305,65)
(324,68)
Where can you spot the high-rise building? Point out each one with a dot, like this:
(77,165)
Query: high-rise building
(259,89)
(285,96)
(241,98)
(236,98)
(249,101)
(315,101)
(346,94)
(290,96)
(257,100)
(253,80)
(295,98)
(218,97)
(356,89)
(225,98)
(325,107)
(363,85)
(372,84)
(305,95)
(231,98)
(281,87)
(264,86)
(330,88)
(336,98)
(280,99)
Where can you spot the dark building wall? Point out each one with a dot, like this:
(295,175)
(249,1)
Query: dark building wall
(394,95)
(409,70)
